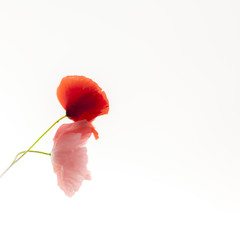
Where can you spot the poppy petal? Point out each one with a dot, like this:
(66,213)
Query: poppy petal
(69,155)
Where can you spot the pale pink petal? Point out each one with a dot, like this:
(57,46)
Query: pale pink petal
(69,155)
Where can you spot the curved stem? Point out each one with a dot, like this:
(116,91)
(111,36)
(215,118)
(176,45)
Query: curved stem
(28,150)
(15,159)
(33,151)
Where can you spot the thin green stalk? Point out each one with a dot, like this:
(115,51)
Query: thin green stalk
(33,151)
(28,150)
(15,159)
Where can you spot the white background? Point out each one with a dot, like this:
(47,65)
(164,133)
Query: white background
(167,164)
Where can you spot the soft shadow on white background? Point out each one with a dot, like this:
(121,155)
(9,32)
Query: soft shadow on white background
(167,164)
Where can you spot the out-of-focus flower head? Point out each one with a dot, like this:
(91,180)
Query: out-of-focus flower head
(69,155)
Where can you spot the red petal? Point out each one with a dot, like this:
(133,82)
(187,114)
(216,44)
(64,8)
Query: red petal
(82,98)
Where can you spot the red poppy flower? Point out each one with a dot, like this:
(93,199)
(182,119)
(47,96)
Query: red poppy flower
(83,101)
(82,98)
(69,155)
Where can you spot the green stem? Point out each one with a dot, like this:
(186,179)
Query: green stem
(15,159)
(25,152)
(32,152)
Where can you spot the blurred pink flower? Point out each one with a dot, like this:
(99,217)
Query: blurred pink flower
(69,155)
